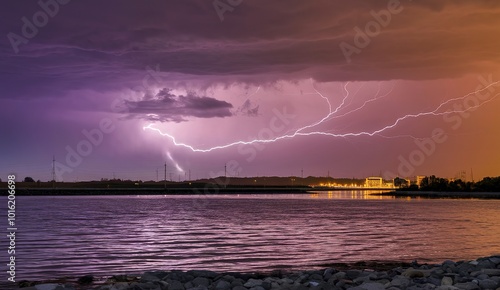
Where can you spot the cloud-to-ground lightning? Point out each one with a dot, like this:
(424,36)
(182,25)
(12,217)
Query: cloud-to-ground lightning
(177,166)
(332,114)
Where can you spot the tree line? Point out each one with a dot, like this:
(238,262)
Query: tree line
(433,183)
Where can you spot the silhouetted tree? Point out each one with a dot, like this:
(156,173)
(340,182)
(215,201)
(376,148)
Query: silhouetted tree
(400,182)
(424,183)
(488,184)
(460,185)
(28,179)
(433,183)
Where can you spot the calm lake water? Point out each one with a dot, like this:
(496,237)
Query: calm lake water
(73,236)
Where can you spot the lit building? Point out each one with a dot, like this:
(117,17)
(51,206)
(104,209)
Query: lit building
(376,182)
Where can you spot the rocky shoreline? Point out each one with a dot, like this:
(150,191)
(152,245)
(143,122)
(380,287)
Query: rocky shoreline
(480,274)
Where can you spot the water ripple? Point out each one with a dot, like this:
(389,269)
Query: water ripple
(73,236)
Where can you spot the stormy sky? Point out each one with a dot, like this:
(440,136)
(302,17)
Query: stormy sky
(353,88)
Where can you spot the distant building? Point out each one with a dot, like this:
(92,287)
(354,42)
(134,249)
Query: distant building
(374,182)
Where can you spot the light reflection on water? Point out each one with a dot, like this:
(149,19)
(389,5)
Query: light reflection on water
(72,236)
(350,194)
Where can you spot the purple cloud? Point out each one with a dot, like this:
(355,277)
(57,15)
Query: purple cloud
(167,107)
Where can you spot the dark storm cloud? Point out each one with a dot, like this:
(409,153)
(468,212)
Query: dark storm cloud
(167,107)
(106,45)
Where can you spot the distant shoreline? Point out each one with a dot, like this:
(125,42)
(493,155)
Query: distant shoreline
(443,194)
(214,190)
(209,190)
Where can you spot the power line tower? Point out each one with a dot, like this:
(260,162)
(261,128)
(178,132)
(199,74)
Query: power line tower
(463,176)
(165,177)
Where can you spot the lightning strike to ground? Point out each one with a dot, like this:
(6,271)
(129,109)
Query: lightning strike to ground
(177,166)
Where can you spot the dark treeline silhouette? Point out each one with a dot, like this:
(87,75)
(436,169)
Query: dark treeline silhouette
(488,184)
(28,179)
(433,183)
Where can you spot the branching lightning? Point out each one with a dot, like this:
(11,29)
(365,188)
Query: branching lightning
(377,97)
(333,113)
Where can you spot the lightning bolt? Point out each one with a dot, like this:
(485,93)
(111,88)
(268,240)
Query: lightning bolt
(331,114)
(365,103)
(175,162)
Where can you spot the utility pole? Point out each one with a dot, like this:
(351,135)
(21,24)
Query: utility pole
(225,175)
(53,171)
(471,176)
(165,177)
(189,174)
(156,174)
(302,173)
